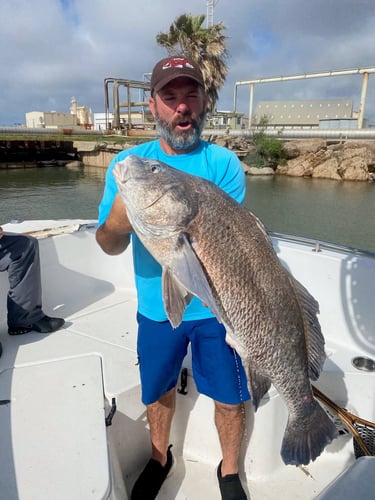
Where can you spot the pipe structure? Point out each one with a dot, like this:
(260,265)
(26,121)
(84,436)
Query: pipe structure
(251,104)
(333,134)
(46,131)
(117,105)
(107,81)
(322,74)
(281,133)
(363,99)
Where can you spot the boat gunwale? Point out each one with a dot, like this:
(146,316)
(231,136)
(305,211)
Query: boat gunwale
(318,245)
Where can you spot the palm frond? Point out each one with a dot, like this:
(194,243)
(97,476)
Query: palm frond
(205,46)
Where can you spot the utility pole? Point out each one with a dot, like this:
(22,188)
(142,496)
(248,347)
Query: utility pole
(210,12)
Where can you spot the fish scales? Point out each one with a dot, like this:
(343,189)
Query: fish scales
(239,282)
(273,303)
(210,246)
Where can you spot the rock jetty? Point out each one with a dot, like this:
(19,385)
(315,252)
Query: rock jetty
(315,158)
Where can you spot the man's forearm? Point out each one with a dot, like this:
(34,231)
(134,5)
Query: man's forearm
(111,242)
(113,235)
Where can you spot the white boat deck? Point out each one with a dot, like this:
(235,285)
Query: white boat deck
(95,294)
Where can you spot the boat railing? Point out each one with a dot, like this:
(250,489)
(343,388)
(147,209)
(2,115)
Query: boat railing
(319,245)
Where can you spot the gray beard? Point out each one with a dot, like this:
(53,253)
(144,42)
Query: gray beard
(180,140)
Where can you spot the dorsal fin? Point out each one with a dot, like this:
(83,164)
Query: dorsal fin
(313,333)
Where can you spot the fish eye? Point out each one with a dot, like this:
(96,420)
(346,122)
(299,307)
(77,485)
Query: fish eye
(155,168)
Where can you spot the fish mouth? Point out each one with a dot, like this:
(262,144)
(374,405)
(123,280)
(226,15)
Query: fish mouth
(120,177)
(124,178)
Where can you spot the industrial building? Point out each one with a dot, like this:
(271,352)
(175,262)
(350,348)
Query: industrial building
(50,119)
(79,116)
(227,119)
(318,113)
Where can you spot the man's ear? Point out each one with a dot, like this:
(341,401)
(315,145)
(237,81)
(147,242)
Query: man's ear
(151,103)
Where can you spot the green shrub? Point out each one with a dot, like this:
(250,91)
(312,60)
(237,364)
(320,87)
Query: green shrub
(269,151)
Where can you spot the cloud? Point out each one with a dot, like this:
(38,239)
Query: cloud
(53,50)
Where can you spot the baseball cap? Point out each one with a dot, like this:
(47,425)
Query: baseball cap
(170,68)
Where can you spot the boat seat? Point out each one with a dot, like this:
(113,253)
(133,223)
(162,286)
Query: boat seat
(56,444)
(357,481)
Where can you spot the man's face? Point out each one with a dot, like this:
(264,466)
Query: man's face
(179,110)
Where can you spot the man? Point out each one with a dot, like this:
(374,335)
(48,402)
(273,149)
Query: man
(178,103)
(19,255)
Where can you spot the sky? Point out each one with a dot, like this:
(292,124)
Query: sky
(54,50)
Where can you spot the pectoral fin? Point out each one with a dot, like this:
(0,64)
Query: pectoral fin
(175,297)
(185,275)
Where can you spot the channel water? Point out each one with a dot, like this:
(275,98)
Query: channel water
(339,212)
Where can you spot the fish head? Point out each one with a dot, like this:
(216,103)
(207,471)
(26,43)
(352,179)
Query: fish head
(159,199)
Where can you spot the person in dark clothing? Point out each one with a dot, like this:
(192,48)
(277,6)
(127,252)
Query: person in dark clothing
(19,256)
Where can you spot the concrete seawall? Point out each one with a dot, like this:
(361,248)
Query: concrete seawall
(95,154)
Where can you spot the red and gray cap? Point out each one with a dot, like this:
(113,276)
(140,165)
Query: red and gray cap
(170,68)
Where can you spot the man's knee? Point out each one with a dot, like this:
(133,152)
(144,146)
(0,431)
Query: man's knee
(31,245)
(230,409)
(32,242)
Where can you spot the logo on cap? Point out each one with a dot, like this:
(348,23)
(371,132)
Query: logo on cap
(177,62)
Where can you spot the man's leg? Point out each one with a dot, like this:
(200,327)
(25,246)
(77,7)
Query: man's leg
(218,373)
(230,424)
(20,257)
(160,351)
(152,477)
(160,415)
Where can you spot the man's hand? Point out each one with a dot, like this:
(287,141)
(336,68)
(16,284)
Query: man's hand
(1,232)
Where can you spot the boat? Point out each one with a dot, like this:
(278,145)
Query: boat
(72,425)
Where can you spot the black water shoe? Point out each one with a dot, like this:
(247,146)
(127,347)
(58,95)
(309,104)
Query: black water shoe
(43,325)
(152,477)
(230,486)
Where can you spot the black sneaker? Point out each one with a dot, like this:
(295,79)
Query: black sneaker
(149,482)
(43,325)
(230,486)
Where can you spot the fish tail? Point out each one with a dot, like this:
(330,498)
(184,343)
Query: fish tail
(305,439)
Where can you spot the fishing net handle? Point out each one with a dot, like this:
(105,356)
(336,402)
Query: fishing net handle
(347,418)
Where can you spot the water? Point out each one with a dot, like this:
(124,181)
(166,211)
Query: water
(340,212)
(50,193)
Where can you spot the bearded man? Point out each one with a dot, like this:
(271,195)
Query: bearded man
(178,103)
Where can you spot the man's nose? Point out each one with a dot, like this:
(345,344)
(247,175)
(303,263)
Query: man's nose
(182,106)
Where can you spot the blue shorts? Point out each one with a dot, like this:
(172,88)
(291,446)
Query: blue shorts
(217,368)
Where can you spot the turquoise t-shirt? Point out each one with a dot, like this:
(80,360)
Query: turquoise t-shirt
(209,161)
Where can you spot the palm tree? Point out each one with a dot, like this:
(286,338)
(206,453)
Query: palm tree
(205,46)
